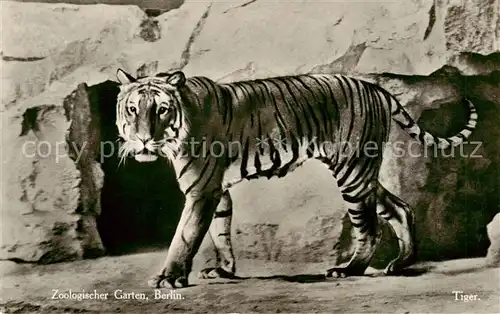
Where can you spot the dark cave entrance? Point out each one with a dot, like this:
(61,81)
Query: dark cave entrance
(141,206)
(140,202)
(467,212)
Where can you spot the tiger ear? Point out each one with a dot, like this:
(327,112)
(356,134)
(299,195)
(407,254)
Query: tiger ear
(176,79)
(123,77)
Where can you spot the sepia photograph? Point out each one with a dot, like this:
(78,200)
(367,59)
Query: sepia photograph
(250,156)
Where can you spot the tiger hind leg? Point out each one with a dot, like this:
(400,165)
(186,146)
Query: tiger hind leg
(362,214)
(220,232)
(400,217)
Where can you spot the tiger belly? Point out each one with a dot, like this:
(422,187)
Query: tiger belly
(258,164)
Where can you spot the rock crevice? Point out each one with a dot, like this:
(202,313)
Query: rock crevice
(186,53)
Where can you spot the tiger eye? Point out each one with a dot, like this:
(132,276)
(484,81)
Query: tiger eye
(162,110)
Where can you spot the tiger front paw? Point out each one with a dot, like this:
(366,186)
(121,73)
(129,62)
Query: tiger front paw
(344,271)
(174,275)
(162,281)
(214,273)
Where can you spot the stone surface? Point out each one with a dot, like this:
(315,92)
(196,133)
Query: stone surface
(430,54)
(51,182)
(145,4)
(493,257)
(357,37)
(39,189)
(50,42)
(472,26)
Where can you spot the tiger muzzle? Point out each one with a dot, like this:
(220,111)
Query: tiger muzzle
(146,154)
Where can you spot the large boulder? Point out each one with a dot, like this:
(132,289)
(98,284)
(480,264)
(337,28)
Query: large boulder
(47,215)
(46,45)
(39,187)
(417,38)
(493,257)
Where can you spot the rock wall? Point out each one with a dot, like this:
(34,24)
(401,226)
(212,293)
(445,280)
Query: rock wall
(493,257)
(73,201)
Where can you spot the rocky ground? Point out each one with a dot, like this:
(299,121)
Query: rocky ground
(263,287)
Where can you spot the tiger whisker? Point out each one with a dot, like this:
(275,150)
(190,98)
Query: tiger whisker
(121,162)
(123,152)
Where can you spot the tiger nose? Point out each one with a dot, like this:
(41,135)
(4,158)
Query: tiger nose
(143,137)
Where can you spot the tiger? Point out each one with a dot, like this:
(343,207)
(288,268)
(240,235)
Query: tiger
(195,122)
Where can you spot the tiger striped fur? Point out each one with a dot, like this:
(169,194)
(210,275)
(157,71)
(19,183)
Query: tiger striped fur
(164,115)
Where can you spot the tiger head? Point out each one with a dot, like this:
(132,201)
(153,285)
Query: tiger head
(149,116)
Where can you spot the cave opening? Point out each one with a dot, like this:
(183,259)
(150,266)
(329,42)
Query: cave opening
(141,206)
(141,203)
(472,175)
